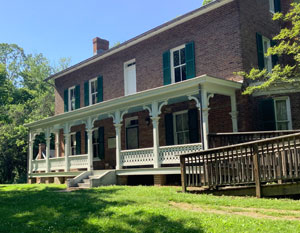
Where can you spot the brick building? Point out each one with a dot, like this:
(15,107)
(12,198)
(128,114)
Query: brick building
(140,104)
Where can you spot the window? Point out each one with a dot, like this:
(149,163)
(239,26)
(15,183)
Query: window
(178,64)
(181,128)
(72,99)
(95,143)
(272,6)
(93,95)
(130,77)
(73,144)
(267,59)
(132,133)
(282,113)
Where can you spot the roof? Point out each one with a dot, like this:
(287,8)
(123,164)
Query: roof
(166,26)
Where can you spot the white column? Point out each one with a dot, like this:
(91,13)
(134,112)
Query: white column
(67,136)
(57,143)
(205,111)
(234,113)
(48,139)
(155,122)
(118,128)
(30,155)
(90,149)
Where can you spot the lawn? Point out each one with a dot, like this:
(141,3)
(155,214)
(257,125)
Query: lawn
(45,208)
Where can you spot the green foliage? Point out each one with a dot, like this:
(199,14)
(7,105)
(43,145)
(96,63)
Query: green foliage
(206,2)
(288,50)
(24,97)
(41,208)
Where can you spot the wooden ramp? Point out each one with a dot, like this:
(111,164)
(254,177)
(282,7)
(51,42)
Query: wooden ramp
(266,166)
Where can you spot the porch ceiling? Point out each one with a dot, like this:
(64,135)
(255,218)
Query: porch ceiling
(174,93)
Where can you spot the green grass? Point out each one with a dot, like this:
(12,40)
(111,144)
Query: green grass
(40,208)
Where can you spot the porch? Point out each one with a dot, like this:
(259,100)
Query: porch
(150,108)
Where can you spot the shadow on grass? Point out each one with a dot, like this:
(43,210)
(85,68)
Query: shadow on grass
(33,210)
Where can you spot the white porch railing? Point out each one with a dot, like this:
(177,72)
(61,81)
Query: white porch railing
(170,154)
(167,154)
(137,157)
(75,162)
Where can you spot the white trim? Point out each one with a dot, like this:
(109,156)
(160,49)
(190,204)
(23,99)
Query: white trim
(172,61)
(272,6)
(90,90)
(125,66)
(184,18)
(269,64)
(174,124)
(288,110)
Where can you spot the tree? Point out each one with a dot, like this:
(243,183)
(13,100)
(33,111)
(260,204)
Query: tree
(206,2)
(24,97)
(287,48)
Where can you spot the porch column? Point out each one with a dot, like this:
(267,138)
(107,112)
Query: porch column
(205,111)
(155,122)
(234,113)
(48,139)
(67,136)
(90,149)
(30,155)
(57,143)
(118,128)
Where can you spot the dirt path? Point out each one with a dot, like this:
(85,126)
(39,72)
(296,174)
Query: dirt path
(248,212)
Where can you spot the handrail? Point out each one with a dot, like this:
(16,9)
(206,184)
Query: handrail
(254,132)
(134,150)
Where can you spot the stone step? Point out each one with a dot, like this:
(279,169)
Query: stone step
(84,185)
(91,177)
(86,181)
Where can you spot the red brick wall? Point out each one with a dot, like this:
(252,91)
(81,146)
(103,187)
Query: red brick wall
(217,53)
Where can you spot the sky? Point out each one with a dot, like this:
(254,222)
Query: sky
(65,28)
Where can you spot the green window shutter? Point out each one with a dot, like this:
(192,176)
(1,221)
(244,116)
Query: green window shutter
(77,97)
(193,125)
(86,94)
(167,67)
(101,143)
(85,142)
(190,60)
(274,57)
(277,6)
(260,52)
(267,114)
(100,88)
(169,129)
(78,143)
(66,100)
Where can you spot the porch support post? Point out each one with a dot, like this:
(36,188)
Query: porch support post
(234,113)
(48,139)
(89,129)
(205,110)
(57,143)
(30,154)
(155,122)
(118,128)
(67,136)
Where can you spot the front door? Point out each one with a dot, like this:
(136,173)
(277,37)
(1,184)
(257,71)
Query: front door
(130,78)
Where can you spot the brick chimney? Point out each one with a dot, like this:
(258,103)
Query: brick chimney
(100,45)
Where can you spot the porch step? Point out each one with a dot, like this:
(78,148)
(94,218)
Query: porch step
(86,181)
(84,185)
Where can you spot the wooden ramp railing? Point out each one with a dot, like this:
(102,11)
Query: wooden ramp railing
(263,161)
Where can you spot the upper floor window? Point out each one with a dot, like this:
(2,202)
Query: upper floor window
(93,95)
(130,77)
(274,6)
(178,64)
(72,99)
(267,59)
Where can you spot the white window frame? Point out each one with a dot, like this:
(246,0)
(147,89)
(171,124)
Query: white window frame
(272,6)
(90,91)
(70,100)
(172,62)
(125,76)
(288,109)
(267,59)
(174,124)
(127,125)
(73,134)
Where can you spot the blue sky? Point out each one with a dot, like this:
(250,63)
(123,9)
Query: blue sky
(65,28)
